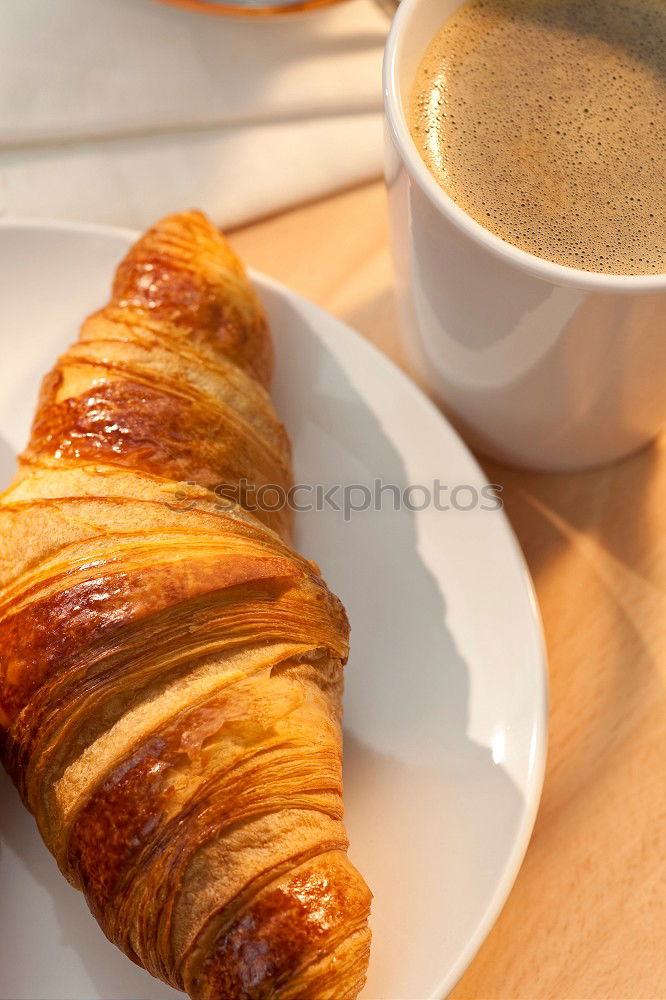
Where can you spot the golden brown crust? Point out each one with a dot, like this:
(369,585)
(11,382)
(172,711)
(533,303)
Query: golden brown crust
(171,669)
(162,278)
(273,940)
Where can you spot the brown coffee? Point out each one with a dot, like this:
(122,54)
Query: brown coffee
(545,120)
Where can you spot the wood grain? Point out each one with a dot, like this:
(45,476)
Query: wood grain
(586,919)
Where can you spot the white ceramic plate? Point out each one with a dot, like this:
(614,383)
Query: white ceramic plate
(445,705)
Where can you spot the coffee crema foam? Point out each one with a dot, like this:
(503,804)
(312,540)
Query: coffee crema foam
(545,120)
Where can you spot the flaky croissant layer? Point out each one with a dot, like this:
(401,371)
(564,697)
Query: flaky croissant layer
(170,668)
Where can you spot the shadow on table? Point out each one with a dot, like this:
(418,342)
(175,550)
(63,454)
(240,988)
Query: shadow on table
(614,505)
(594,532)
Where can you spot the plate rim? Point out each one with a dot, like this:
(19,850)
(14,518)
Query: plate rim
(538,752)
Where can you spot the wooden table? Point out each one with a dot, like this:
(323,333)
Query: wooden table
(587,916)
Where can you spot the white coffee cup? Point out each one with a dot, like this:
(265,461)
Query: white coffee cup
(538,364)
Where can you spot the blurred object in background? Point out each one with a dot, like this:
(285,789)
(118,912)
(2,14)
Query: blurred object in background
(122,110)
(252,8)
(389,6)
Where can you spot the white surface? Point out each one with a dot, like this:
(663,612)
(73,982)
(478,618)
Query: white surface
(445,704)
(118,110)
(542,365)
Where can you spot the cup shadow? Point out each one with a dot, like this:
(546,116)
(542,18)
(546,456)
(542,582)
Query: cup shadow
(605,522)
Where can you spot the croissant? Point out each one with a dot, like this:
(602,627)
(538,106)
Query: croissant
(170,668)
